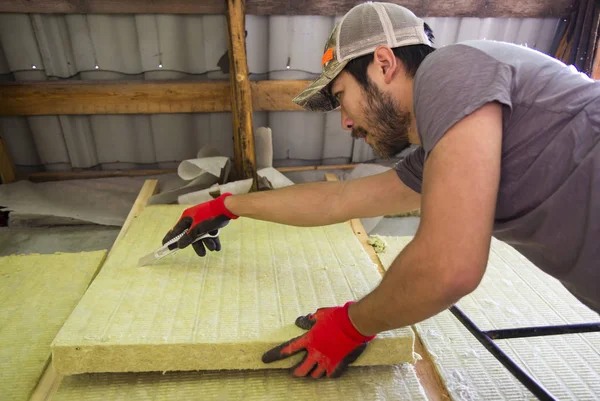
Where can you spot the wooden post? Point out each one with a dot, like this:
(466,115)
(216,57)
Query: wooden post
(7,168)
(241,95)
(596,65)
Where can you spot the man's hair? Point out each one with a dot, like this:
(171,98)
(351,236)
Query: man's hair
(411,56)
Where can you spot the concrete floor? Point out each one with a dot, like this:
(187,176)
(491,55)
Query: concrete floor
(19,241)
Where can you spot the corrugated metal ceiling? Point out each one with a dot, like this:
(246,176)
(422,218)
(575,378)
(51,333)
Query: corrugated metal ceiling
(148,47)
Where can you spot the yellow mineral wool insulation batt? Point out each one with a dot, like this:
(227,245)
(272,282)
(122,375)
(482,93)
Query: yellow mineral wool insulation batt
(392,249)
(514,293)
(222,311)
(37,294)
(382,383)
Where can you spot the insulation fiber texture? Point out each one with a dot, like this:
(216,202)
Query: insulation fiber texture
(222,311)
(37,295)
(381,383)
(514,293)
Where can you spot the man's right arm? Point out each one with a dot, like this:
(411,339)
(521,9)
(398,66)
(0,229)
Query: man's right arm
(323,203)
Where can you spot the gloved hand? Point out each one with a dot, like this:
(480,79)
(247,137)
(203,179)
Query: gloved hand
(201,219)
(331,344)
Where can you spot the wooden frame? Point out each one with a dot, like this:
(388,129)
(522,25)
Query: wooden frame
(7,168)
(596,65)
(241,95)
(49,380)
(135,97)
(431,8)
(78,175)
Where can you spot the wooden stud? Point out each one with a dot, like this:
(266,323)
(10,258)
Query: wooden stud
(149,188)
(241,95)
(7,168)
(321,167)
(596,66)
(80,175)
(431,8)
(428,375)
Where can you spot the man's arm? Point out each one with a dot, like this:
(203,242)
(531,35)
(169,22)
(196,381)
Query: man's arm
(447,258)
(323,203)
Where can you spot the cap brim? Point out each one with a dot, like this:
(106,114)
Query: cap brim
(315,97)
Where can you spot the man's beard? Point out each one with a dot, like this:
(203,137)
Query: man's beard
(388,123)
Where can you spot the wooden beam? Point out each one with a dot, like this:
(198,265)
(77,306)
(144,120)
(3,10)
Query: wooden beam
(149,188)
(134,97)
(121,97)
(596,65)
(7,168)
(276,95)
(431,8)
(86,175)
(241,95)
(320,167)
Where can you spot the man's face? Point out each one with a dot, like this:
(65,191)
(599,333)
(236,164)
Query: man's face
(372,114)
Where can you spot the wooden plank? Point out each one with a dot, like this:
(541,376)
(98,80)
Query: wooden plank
(431,8)
(361,234)
(135,97)
(110,97)
(48,384)
(149,188)
(113,7)
(241,95)
(276,95)
(7,168)
(596,65)
(320,167)
(50,380)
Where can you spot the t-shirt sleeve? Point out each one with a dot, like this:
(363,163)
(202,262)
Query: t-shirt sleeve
(453,82)
(410,169)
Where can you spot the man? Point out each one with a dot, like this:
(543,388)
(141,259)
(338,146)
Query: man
(508,145)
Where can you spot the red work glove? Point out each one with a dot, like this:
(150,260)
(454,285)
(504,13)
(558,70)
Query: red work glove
(203,218)
(331,344)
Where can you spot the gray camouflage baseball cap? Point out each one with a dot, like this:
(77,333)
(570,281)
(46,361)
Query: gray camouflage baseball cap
(359,32)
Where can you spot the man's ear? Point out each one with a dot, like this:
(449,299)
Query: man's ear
(386,62)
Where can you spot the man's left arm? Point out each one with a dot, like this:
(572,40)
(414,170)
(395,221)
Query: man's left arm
(448,255)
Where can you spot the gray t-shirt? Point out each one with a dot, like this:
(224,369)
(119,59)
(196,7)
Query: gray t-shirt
(548,204)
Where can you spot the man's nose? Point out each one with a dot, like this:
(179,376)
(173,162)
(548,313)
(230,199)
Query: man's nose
(347,122)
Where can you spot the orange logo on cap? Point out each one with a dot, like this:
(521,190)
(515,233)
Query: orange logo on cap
(327,57)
